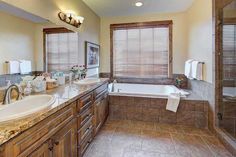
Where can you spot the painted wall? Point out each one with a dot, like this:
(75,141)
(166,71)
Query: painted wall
(48,9)
(16,40)
(200,35)
(179,37)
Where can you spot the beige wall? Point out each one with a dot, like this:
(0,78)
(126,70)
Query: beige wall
(200,35)
(16,40)
(179,37)
(48,9)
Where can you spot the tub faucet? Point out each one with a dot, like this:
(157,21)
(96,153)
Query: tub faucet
(8,93)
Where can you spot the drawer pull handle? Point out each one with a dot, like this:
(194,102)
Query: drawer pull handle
(86,118)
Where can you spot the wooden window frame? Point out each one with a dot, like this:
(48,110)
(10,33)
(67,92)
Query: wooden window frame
(151,24)
(51,31)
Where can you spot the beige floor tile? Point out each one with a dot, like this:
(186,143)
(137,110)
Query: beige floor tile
(190,145)
(169,128)
(142,139)
(216,147)
(160,142)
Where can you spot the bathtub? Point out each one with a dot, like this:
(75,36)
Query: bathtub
(144,90)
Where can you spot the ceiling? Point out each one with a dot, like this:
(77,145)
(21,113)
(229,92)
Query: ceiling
(105,8)
(9,9)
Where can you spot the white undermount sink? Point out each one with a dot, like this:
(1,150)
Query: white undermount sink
(88,81)
(25,107)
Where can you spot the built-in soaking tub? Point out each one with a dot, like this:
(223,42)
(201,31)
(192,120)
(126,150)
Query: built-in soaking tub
(144,90)
(144,102)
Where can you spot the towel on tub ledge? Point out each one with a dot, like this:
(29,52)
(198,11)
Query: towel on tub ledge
(173,102)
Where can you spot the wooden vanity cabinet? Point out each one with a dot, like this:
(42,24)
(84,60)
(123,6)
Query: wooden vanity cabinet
(41,138)
(66,133)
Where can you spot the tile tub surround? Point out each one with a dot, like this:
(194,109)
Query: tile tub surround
(190,112)
(64,96)
(229,118)
(206,92)
(124,138)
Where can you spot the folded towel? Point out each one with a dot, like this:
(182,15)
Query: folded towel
(13,67)
(197,70)
(173,102)
(188,68)
(25,67)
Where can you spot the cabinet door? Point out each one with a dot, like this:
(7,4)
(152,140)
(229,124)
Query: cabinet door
(65,141)
(97,115)
(105,108)
(42,151)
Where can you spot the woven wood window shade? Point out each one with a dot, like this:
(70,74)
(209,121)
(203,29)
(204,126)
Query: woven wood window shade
(61,50)
(141,51)
(229,52)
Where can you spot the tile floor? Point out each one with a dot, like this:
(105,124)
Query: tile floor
(143,139)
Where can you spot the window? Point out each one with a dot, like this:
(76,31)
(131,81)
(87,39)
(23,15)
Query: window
(60,49)
(229,52)
(141,50)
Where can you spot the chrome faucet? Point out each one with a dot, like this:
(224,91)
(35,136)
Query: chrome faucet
(8,93)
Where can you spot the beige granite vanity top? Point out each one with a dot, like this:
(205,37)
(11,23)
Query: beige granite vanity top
(64,96)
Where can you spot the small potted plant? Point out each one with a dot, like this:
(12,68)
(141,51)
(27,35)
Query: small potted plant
(82,71)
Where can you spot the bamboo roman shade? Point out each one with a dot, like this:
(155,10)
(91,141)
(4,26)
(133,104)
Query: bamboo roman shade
(61,50)
(229,52)
(141,51)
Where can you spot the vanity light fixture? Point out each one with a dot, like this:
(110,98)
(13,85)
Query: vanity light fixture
(71,19)
(139,4)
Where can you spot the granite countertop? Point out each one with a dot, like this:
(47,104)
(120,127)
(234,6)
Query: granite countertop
(64,96)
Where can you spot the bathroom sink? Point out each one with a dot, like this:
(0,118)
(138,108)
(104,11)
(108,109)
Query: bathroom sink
(25,107)
(88,81)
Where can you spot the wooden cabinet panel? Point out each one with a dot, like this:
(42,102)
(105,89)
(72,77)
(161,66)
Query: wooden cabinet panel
(30,140)
(84,102)
(85,130)
(100,111)
(84,144)
(98,92)
(85,116)
(65,141)
(42,151)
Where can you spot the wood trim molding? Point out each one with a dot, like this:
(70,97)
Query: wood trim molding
(151,24)
(51,31)
(229,21)
(57,30)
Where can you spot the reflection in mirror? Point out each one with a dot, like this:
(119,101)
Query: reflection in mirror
(21,38)
(228,103)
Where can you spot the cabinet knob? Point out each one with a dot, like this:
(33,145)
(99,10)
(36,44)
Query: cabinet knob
(56,142)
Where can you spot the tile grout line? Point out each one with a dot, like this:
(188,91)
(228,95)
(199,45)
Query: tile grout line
(212,152)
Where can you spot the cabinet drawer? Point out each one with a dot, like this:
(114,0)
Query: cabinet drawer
(85,143)
(84,102)
(100,90)
(85,116)
(28,141)
(85,130)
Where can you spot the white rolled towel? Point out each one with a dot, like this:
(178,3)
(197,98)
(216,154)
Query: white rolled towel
(13,67)
(25,66)
(197,70)
(173,102)
(188,68)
